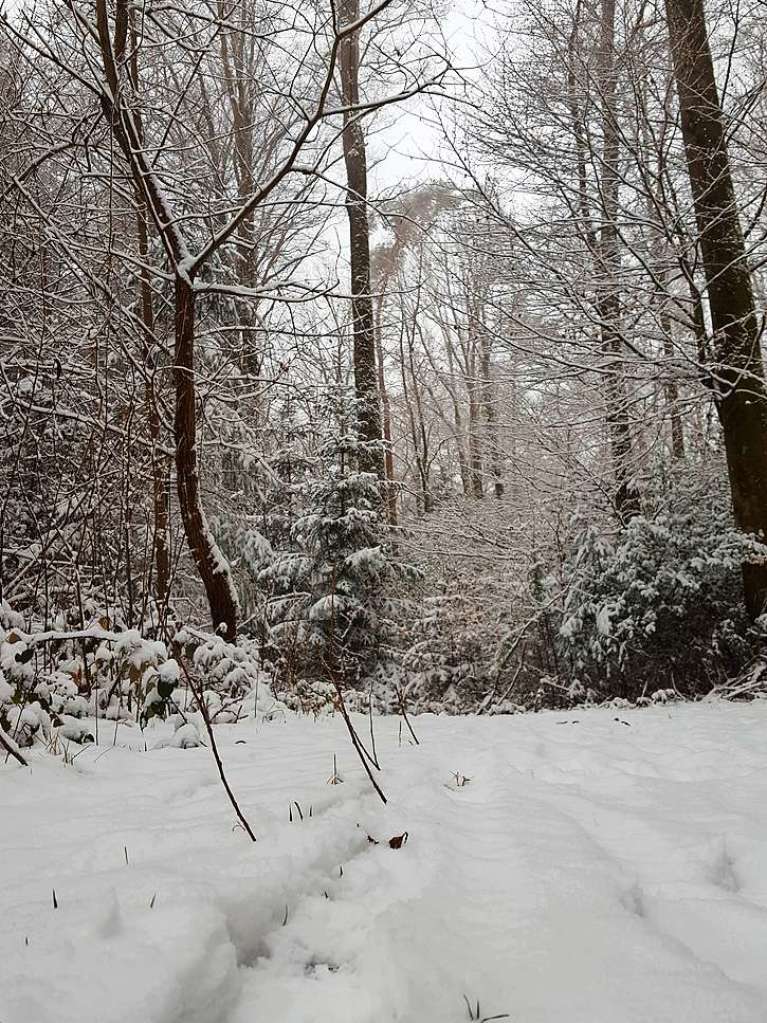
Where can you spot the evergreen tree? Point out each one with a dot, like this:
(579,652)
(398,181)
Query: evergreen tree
(330,612)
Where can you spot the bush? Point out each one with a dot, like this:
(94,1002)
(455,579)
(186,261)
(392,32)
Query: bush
(660,604)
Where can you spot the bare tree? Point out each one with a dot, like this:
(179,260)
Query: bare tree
(169,126)
(627,503)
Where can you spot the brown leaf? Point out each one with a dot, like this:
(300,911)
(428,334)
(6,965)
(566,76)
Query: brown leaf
(398,841)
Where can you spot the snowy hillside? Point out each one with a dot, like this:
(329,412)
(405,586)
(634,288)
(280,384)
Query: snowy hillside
(588,867)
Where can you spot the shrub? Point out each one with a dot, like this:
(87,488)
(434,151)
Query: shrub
(660,604)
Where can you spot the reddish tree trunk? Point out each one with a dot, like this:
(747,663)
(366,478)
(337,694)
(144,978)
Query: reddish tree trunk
(213,568)
(127,130)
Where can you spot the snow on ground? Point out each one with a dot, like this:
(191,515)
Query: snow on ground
(598,867)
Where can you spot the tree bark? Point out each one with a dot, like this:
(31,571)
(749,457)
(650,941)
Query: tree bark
(475,445)
(414,407)
(736,368)
(391,490)
(160,547)
(627,504)
(212,566)
(671,385)
(160,544)
(494,459)
(459,431)
(365,375)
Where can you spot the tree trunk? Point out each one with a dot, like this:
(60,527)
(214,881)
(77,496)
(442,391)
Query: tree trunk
(211,564)
(160,510)
(413,404)
(237,82)
(127,130)
(626,498)
(160,547)
(494,460)
(355,158)
(475,446)
(736,364)
(391,490)
(473,384)
(671,386)
(458,427)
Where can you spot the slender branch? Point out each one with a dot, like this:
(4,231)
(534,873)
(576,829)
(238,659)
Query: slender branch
(198,696)
(406,719)
(362,753)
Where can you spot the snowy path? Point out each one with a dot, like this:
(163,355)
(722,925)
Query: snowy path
(590,871)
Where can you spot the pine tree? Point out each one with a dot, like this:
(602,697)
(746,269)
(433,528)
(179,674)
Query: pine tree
(331,597)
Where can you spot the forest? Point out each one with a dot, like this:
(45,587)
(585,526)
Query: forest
(373,368)
(487,436)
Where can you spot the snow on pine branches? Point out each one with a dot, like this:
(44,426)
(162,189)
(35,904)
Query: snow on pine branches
(330,576)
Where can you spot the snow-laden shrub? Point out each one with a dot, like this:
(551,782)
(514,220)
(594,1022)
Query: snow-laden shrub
(55,677)
(21,710)
(228,675)
(161,685)
(23,719)
(661,604)
(186,736)
(28,723)
(309,696)
(445,662)
(465,648)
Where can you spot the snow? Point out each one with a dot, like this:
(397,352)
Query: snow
(583,867)
(6,691)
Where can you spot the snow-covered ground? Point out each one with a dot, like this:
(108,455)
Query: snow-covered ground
(597,867)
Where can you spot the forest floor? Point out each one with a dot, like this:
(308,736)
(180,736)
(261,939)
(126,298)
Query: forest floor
(594,867)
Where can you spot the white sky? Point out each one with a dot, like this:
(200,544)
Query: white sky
(404,145)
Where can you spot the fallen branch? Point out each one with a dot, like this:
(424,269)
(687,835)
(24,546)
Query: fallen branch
(10,746)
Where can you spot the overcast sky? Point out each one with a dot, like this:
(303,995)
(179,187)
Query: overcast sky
(405,142)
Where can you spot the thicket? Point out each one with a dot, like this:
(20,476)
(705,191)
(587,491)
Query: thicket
(553,388)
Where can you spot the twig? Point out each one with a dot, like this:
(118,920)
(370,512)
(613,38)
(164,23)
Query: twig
(214,748)
(372,732)
(491,700)
(401,699)
(361,751)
